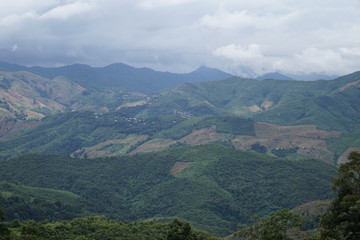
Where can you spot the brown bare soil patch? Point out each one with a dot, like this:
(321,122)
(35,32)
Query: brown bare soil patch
(312,208)
(179,167)
(267,104)
(153,146)
(202,136)
(309,140)
(344,157)
(254,108)
(98,150)
(352,84)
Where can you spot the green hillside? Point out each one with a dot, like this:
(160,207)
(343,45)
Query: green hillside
(65,133)
(23,203)
(118,132)
(336,111)
(275,101)
(213,186)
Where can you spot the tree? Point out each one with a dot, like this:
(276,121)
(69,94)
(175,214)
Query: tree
(4,230)
(342,221)
(180,230)
(274,227)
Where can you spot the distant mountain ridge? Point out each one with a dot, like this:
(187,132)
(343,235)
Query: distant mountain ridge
(273,75)
(121,76)
(297,76)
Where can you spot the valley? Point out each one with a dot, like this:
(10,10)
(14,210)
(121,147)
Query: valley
(139,145)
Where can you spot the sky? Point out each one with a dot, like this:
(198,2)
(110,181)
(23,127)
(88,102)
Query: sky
(242,37)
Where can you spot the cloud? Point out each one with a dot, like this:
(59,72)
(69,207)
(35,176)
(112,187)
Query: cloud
(330,61)
(350,52)
(14,47)
(151,4)
(246,60)
(63,12)
(245,19)
(239,53)
(264,35)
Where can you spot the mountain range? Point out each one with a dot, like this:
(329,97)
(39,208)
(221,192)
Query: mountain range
(137,144)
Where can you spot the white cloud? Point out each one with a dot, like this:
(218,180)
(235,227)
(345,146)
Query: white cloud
(151,4)
(351,52)
(63,12)
(330,61)
(307,35)
(243,19)
(239,53)
(246,60)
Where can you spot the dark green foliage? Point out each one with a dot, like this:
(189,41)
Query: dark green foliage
(274,227)
(257,147)
(1,214)
(99,228)
(312,222)
(342,221)
(180,231)
(4,230)
(220,189)
(24,203)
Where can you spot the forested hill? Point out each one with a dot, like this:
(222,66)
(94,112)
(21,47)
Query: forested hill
(277,101)
(213,186)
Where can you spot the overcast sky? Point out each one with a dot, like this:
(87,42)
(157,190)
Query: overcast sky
(238,36)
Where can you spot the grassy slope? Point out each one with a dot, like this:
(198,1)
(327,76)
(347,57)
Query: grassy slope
(220,189)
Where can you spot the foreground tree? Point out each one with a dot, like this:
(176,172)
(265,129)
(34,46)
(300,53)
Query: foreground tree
(4,231)
(342,221)
(180,230)
(274,227)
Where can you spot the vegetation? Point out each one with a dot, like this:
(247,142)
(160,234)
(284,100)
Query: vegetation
(99,227)
(224,124)
(213,192)
(65,133)
(273,227)
(24,203)
(342,220)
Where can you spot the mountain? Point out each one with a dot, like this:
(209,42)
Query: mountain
(312,76)
(273,75)
(215,187)
(274,101)
(123,123)
(121,76)
(91,135)
(25,95)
